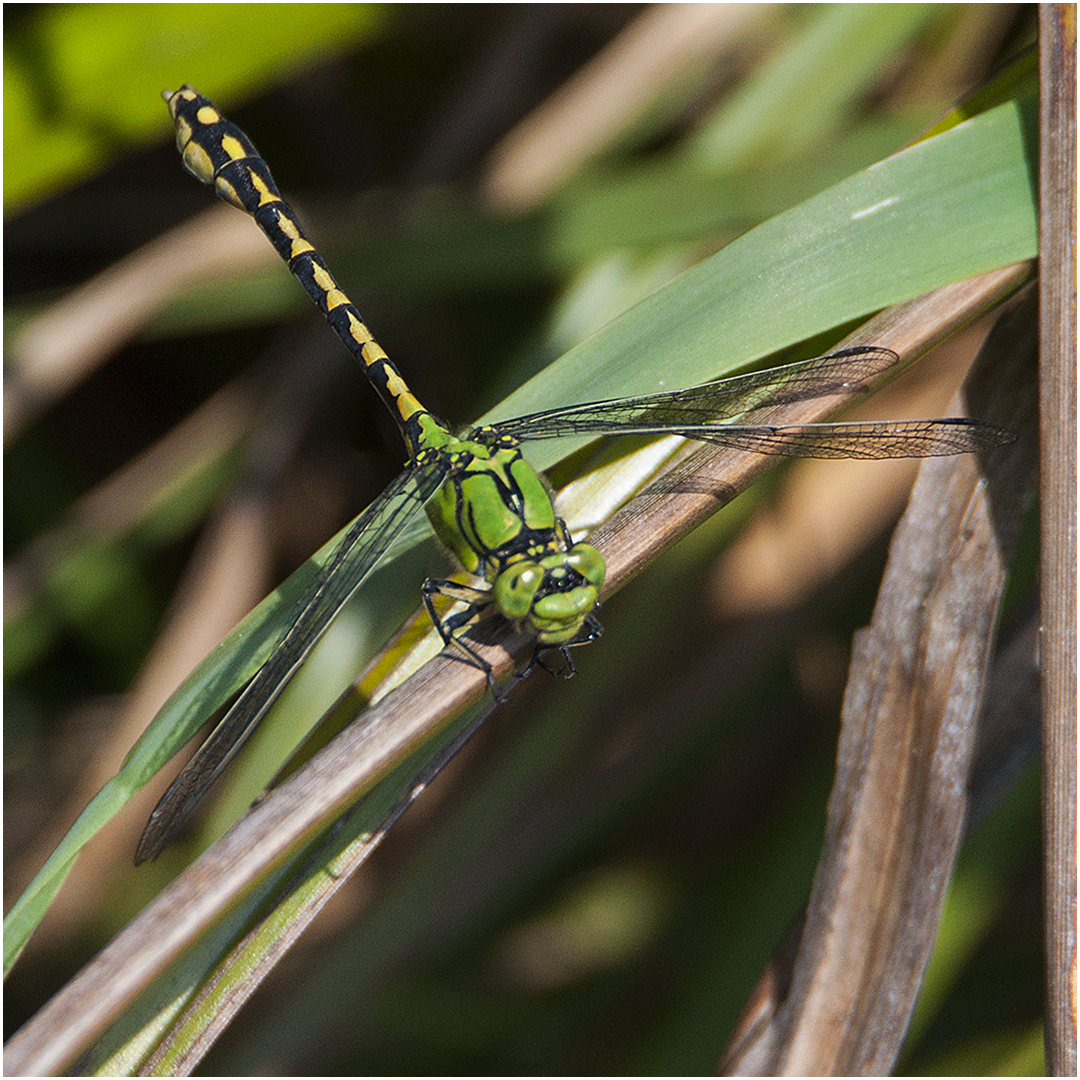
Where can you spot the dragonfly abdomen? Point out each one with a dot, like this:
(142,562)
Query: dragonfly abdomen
(216,152)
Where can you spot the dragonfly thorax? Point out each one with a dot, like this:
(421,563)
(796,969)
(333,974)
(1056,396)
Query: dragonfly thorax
(494,511)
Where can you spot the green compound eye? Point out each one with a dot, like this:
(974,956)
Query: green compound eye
(588,562)
(515,588)
(558,617)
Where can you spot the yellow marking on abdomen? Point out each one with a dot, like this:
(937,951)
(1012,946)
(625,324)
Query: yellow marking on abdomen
(333,295)
(233,147)
(372,351)
(266,196)
(291,229)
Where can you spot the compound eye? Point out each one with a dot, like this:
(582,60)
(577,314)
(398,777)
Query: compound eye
(558,617)
(516,587)
(588,562)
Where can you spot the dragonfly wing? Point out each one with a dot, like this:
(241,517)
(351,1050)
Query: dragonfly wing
(724,413)
(742,398)
(872,439)
(360,551)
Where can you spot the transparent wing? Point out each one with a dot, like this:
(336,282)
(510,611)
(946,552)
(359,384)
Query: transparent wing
(742,397)
(873,439)
(360,551)
(723,413)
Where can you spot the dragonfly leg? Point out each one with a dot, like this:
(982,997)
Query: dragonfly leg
(480,604)
(590,631)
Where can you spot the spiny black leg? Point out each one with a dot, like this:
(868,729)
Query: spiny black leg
(590,631)
(479,602)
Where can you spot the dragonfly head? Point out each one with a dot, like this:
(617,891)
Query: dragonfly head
(553,596)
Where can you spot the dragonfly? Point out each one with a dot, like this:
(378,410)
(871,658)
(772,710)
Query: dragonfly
(486,503)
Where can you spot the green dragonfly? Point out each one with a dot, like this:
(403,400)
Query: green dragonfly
(485,502)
